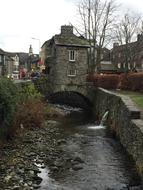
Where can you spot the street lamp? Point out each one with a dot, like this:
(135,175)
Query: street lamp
(38,41)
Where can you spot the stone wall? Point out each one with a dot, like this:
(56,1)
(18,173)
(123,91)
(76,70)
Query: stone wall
(59,74)
(124,121)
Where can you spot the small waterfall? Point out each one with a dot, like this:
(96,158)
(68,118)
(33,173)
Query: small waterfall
(102,122)
(104,118)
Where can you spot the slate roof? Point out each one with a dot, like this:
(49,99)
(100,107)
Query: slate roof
(108,67)
(22,56)
(8,58)
(1,51)
(70,40)
(131,45)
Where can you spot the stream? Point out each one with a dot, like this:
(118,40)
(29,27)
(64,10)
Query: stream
(84,156)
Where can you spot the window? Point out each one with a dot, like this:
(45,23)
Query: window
(71,55)
(101,56)
(119,65)
(72,72)
(0,58)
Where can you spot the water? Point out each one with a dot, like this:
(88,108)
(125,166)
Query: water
(86,157)
(104,118)
(102,122)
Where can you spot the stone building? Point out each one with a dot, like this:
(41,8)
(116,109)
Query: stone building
(2,62)
(66,59)
(130,56)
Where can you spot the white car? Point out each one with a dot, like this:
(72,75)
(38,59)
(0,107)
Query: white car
(15,75)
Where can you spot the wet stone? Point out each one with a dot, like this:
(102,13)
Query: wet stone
(78,159)
(77,167)
(136,188)
(37,180)
(16,187)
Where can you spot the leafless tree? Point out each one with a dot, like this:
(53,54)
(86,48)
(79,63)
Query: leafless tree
(125,31)
(127,28)
(96,21)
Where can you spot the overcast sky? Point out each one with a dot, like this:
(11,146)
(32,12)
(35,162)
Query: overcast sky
(22,20)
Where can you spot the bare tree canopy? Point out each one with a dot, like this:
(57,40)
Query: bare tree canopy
(125,31)
(127,28)
(96,23)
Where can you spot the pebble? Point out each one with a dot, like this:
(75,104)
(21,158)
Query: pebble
(77,167)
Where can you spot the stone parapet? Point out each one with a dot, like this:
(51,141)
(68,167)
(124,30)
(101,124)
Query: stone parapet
(124,120)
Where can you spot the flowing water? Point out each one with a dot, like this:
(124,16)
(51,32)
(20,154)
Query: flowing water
(86,157)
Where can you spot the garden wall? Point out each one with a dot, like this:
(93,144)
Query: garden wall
(124,121)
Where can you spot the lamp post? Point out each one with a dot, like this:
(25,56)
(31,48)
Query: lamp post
(38,42)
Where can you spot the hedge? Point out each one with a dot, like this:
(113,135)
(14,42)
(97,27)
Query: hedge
(130,81)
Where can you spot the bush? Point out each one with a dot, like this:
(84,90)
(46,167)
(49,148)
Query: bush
(20,104)
(8,102)
(124,82)
(41,84)
(29,114)
(135,81)
(30,110)
(28,91)
(107,81)
(130,81)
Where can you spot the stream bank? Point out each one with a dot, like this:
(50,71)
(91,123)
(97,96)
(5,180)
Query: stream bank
(68,153)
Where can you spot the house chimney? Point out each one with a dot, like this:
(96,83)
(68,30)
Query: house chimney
(139,37)
(116,44)
(66,30)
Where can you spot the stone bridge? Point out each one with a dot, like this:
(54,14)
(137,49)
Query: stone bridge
(73,95)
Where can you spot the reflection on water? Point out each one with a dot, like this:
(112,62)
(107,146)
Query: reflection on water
(85,157)
(95,127)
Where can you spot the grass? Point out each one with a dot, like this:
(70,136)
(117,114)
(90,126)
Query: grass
(136,97)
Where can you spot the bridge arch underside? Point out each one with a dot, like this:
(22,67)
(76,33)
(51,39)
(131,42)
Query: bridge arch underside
(70,98)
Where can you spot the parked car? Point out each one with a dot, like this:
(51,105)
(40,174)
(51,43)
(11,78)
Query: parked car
(15,75)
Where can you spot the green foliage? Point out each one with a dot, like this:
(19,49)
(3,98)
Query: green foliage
(28,91)
(41,84)
(19,101)
(8,101)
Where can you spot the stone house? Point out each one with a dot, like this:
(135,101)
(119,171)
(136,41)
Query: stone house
(23,60)
(131,54)
(66,59)
(106,65)
(2,62)
(11,61)
(6,63)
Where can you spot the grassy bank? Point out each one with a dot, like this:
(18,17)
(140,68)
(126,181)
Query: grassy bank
(136,97)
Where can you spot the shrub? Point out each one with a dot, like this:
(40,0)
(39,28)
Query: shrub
(30,110)
(130,81)
(41,84)
(29,114)
(124,82)
(28,91)
(8,101)
(107,81)
(135,81)
(20,104)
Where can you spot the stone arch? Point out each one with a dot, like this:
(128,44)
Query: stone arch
(71,98)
